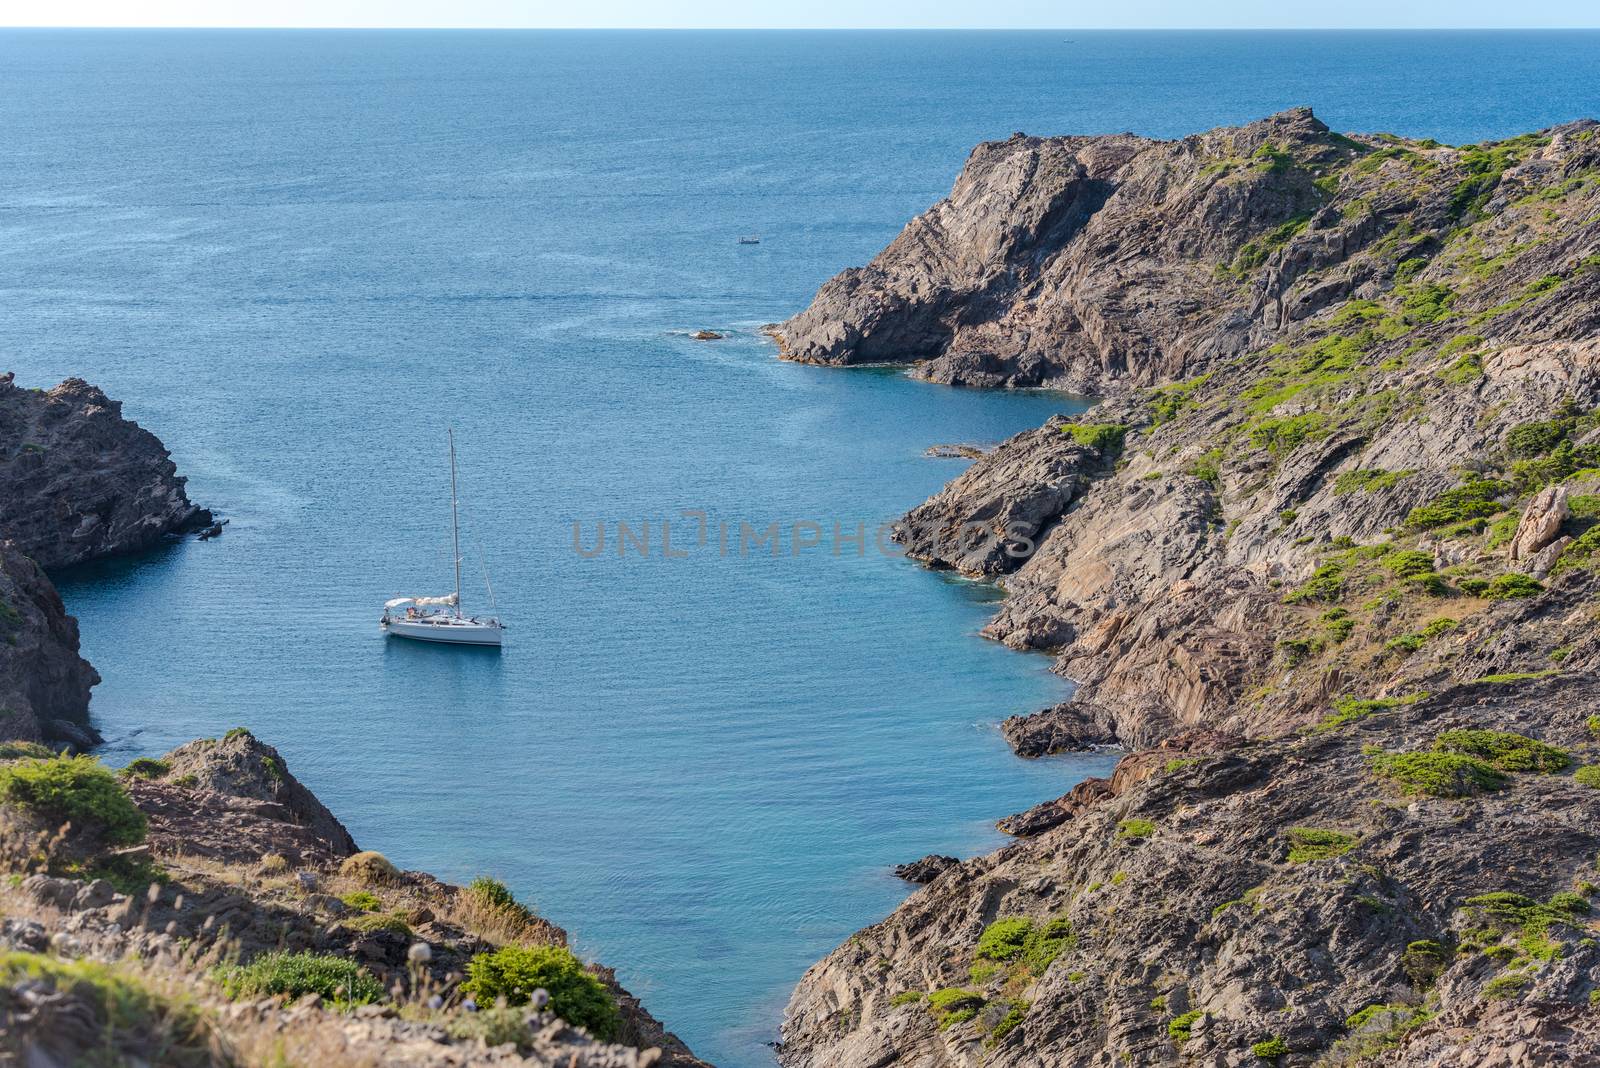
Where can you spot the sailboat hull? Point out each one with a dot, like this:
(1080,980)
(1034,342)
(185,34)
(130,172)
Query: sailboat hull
(452,632)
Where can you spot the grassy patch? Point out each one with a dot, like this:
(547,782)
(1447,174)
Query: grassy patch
(1107,437)
(1270,1048)
(145,768)
(131,1019)
(1350,709)
(1135,829)
(1313,843)
(1368,480)
(954,1005)
(336,979)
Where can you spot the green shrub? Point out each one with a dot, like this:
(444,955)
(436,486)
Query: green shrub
(1179,1027)
(1325,584)
(74,789)
(1107,437)
(1474,587)
(145,768)
(1207,467)
(1588,775)
(515,972)
(237,732)
(905,997)
(1424,961)
(295,974)
(954,1005)
(1409,563)
(1437,774)
(1003,939)
(1270,1048)
(1505,750)
(1312,843)
(1474,499)
(1513,584)
(1135,829)
(1016,1012)
(362,900)
(1044,944)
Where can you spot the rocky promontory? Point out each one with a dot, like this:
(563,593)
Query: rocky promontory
(79,482)
(204,908)
(1325,557)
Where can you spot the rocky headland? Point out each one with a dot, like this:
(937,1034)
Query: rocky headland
(1323,558)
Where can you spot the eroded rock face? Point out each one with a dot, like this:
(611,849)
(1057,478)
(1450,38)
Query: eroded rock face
(79,482)
(1355,509)
(1073,262)
(44,683)
(1177,885)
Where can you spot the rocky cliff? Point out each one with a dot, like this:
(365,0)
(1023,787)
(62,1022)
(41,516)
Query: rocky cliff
(197,926)
(79,482)
(1330,539)
(44,683)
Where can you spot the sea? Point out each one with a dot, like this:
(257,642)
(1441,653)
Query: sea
(727,706)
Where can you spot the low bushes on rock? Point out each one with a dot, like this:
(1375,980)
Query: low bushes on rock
(1506,750)
(515,972)
(1438,774)
(295,974)
(72,789)
(1314,843)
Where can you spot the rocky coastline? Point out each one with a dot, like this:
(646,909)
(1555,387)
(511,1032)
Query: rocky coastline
(203,907)
(1323,559)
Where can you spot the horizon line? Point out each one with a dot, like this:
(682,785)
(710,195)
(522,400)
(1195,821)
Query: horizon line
(843,29)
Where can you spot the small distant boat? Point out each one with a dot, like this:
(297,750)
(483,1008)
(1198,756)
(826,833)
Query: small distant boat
(440,619)
(750,239)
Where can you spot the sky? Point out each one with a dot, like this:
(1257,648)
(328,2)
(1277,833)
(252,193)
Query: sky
(809,14)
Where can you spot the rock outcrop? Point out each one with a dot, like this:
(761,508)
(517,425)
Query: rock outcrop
(241,861)
(44,683)
(79,482)
(1342,505)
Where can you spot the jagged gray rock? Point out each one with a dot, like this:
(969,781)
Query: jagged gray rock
(44,683)
(79,482)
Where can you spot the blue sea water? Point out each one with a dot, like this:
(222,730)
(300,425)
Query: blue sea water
(298,257)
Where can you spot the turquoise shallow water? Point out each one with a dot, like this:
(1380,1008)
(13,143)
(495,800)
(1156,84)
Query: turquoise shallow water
(298,256)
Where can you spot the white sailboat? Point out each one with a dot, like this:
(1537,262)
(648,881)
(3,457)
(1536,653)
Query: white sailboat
(440,619)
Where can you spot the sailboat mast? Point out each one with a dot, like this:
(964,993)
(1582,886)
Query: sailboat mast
(455,522)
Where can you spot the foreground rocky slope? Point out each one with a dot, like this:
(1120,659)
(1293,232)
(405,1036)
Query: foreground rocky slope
(1340,502)
(141,927)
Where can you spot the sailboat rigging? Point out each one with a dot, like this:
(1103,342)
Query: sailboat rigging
(440,619)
